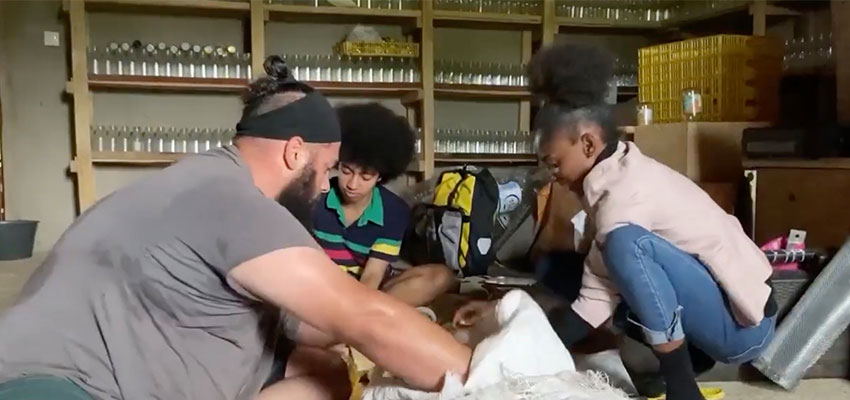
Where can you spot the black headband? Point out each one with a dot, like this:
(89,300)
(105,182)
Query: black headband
(311,117)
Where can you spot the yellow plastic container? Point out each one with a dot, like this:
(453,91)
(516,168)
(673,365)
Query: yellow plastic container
(738,77)
(382,49)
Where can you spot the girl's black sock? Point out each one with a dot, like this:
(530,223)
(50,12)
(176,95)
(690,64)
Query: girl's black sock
(678,373)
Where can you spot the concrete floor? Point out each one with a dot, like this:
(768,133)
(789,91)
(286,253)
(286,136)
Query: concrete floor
(13,274)
(811,389)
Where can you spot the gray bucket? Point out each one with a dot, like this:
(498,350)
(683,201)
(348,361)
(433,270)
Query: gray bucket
(17,238)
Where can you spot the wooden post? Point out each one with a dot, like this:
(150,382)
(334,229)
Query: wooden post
(427,78)
(82,106)
(759,11)
(258,37)
(841,55)
(525,105)
(2,188)
(550,25)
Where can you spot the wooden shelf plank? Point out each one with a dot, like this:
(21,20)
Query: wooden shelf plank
(214,7)
(135,158)
(566,22)
(448,90)
(353,11)
(404,90)
(408,91)
(163,83)
(627,91)
(699,15)
(162,159)
(447,158)
(472,19)
(705,14)
(822,163)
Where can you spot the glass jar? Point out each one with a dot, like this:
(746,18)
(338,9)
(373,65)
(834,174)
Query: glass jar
(691,104)
(644,114)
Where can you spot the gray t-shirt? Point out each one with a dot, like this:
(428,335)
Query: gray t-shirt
(133,301)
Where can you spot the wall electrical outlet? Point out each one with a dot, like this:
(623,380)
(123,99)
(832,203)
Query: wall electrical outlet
(51,39)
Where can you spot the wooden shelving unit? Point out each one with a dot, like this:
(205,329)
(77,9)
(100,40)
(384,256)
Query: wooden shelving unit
(299,13)
(135,158)
(418,97)
(409,91)
(167,84)
(482,92)
(566,23)
(464,19)
(216,8)
(821,163)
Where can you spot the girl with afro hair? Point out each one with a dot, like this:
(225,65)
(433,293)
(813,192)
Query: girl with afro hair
(664,261)
(360,223)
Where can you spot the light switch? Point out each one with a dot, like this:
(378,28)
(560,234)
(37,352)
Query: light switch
(51,39)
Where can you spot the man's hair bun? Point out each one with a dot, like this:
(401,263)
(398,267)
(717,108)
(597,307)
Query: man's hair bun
(276,68)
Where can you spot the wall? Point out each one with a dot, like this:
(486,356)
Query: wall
(37,116)
(36,119)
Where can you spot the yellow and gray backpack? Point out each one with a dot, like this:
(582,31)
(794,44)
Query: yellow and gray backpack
(456,228)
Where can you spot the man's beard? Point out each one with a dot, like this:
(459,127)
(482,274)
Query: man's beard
(299,197)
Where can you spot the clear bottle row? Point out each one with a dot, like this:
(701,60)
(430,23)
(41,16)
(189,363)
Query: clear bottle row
(184,60)
(340,68)
(478,141)
(630,11)
(811,52)
(479,73)
(161,139)
(372,4)
(521,7)
(615,11)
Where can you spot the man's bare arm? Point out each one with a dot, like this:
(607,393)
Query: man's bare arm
(306,282)
(302,333)
(373,272)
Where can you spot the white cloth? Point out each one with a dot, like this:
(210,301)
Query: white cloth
(525,359)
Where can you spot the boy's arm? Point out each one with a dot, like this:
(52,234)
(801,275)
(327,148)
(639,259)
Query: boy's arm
(373,272)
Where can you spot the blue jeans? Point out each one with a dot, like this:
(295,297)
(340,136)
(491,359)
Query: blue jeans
(670,295)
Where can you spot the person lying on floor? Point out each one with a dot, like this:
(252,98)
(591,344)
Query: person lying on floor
(664,255)
(360,223)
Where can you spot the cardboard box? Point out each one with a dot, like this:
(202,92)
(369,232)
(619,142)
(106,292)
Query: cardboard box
(808,195)
(702,151)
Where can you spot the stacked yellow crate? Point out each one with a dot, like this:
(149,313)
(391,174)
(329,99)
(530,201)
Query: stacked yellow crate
(738,77)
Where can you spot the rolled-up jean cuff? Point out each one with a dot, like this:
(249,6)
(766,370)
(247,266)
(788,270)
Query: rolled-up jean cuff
(673,332)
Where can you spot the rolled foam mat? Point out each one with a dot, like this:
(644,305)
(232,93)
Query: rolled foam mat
(812,326)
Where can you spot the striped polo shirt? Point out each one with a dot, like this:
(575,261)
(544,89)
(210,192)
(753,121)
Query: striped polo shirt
(377,233)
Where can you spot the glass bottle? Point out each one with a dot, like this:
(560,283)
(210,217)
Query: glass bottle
(644,114)
(691,104)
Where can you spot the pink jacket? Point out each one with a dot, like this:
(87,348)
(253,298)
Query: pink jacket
(631,188)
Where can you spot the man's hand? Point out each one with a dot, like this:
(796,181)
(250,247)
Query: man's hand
(474,312)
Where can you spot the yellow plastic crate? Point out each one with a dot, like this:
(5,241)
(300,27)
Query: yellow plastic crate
(383,49)
(738,77)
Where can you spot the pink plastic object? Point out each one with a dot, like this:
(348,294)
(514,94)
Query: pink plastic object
(779,244)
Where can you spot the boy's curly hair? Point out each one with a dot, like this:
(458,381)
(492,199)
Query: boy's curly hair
(375,138)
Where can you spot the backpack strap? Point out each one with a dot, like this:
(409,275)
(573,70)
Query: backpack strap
(464,173)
